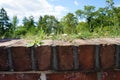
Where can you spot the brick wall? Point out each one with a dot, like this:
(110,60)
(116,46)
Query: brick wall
(60,62)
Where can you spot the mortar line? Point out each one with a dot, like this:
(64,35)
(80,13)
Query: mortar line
(33,61)
(54,55)
(97,57)
(76,61)
(10,62)
(117,56)
(99,76)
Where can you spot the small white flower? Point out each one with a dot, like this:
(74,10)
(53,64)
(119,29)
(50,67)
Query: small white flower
(64,34)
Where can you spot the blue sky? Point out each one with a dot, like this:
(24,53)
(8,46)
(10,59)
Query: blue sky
(58,8)
(73,5)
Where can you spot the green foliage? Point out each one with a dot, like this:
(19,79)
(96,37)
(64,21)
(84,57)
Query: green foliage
(49,24)
(79,13)
(34,43)
(102,22)
(84,35)
(5,26)
(20,31)
(69,22)
(82,26)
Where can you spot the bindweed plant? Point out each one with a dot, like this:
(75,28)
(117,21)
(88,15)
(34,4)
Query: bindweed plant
(34,43)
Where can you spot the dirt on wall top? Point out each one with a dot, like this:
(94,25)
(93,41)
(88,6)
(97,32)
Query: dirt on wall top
(22,42)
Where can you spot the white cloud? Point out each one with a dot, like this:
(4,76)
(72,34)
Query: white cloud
(22,8)
(118,5)
(76,3)
(53,0)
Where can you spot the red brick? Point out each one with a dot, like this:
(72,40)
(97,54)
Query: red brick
(3,59)
(43,55)
(86,57)
(10,77)
(21,58)
(33,76)
(111,75)
(107,56)
(2,76)
(72,76)
(27,76)
(65,57)
(14,76)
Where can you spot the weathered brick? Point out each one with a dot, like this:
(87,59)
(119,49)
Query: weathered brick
(33,76)
(2,76)
(72,76)
(107,56)
(10,77)
(21,58)
(86,57)
(26,76)
(65,57)
(3,59)
(43,55)
(111,75)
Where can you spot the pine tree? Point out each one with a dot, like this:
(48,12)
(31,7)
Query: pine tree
(4,22)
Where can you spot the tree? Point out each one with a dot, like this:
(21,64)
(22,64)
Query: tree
(49,24)
(80,14)
(28,22)
(101,18)
(4,22)
(117,16)
(110,4)
(14,23)
(70,23)
(89,14)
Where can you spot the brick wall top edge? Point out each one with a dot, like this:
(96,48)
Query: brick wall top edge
(60,45)
(77,42)
(97,41)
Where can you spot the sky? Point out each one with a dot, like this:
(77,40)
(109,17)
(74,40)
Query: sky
(37,8)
